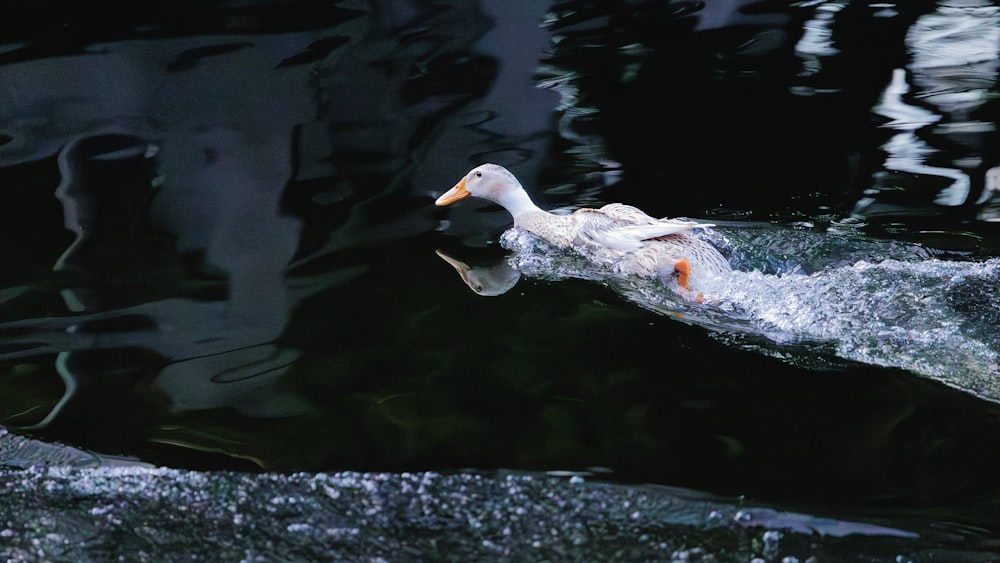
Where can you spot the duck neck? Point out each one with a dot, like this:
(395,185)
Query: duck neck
(518,203)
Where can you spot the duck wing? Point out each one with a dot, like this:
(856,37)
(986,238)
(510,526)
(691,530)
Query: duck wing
(622,227)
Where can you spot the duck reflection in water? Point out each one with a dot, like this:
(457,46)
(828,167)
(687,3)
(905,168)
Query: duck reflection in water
(488,280)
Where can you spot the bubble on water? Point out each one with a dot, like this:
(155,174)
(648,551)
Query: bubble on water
(102,510)
(771,539)
(846,224)
(693,554)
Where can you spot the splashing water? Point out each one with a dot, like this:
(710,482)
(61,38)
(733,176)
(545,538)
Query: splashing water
(813,296)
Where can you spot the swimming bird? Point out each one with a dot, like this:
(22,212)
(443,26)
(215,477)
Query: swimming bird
(618,236)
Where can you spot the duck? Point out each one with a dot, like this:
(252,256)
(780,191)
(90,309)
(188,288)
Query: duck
(618,236)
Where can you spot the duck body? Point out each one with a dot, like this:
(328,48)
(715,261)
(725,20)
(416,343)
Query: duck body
(617,236)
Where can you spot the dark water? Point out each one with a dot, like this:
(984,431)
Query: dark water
(220,247)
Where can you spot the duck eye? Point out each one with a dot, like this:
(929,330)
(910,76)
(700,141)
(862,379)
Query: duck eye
(479,174)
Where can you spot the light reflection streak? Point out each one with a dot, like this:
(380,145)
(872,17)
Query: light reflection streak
(952,68)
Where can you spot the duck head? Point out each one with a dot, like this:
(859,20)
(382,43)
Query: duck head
(494,183)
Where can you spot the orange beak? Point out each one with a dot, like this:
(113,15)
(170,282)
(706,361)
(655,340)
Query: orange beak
(461,267)
(451,196)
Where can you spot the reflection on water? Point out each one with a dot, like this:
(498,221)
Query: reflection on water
(940,99)
(487,280)
(203,179)
(219,245)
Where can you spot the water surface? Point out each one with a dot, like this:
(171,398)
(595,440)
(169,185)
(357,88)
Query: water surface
(221,248)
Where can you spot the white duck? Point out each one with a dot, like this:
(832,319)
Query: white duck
(619,236)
